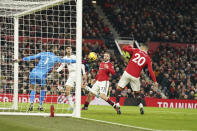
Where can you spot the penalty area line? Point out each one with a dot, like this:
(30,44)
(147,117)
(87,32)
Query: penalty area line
(173,130)
(124,125)
(118,124)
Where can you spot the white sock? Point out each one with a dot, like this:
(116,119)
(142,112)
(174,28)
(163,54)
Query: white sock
(140,105)
(70,101)
(40,106)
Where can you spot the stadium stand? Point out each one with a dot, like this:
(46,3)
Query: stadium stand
(93,25)
(176,71)
(153,20)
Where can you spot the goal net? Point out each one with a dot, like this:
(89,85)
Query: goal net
(28,28)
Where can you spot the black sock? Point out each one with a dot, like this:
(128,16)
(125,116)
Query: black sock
(111,103)
(86,104)
(118,95)
(138,98)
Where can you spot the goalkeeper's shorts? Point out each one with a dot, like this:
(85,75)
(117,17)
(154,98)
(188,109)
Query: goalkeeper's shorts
(37,79)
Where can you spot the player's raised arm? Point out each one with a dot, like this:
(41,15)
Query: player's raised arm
(61,66)
(84,75)
(150,69)
(111,70)
(128,48)
(66,60)
(28,58)
(83,69)
(83,72)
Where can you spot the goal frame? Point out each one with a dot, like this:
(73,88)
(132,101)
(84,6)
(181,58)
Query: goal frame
(77,110)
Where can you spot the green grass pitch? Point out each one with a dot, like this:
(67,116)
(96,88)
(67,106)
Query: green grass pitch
(153,119)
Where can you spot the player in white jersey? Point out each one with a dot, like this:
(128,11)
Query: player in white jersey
(71,76)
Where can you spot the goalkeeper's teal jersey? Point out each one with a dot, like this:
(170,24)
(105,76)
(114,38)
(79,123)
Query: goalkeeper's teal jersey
(46,63)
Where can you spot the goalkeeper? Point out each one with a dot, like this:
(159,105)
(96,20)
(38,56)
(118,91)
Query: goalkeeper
(39,73)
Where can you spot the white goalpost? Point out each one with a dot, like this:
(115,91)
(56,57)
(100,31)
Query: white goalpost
(27,28)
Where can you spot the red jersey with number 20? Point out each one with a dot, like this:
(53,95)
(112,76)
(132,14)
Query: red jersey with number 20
(138,61)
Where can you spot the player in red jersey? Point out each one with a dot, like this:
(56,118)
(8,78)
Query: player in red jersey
(137,62)
(101,82)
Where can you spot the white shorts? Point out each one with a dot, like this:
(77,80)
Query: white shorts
(101,87)
(71,79)
(127,78)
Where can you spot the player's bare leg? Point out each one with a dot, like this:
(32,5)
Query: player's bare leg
(118,95)
(139,101)
(69,97)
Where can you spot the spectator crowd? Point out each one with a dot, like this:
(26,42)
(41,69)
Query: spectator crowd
(153,20)
(175,70)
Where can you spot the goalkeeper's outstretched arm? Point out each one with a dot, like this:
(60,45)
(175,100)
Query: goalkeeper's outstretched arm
(28,58)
